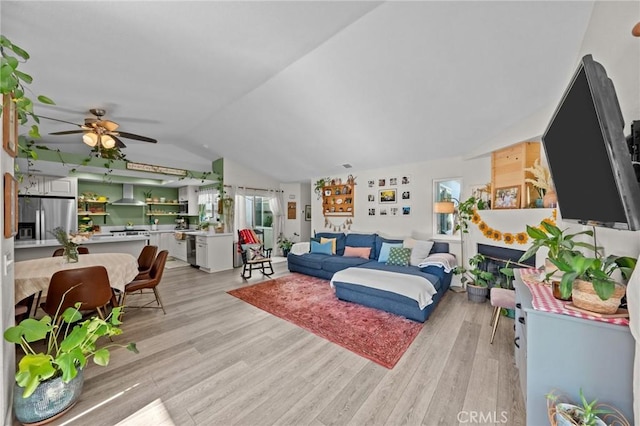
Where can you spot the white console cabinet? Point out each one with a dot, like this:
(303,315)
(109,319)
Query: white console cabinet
(214,252)
(564,353)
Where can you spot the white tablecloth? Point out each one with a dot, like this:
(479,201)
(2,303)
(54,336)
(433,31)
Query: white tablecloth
(33,276)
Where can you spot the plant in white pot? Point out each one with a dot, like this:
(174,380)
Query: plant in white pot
(49,381)
(568,414)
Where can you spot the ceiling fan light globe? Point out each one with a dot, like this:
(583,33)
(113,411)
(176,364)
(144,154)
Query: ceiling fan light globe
(108,142)
(90,139)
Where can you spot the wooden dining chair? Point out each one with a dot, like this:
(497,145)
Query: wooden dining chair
(60,251)
(145,261)
(89,285)
(151,283)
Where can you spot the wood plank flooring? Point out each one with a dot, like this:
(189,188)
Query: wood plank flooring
(215,360)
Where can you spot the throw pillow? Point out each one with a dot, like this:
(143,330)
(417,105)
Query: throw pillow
(420,251)
(399,256)
(384,251)
(321,248)
(332,241)
(362,252)
(252,251)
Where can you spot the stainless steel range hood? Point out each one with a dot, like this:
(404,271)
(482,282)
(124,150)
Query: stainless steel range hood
(127,197)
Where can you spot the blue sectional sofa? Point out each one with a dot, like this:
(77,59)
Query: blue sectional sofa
(325,266)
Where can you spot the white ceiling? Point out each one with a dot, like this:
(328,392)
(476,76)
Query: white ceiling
(296,89)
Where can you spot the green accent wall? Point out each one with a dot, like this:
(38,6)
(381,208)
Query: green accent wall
(120,215)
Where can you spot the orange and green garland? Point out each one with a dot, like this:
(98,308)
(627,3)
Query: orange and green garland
(507,237)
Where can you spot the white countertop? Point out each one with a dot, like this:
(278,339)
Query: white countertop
(20,244)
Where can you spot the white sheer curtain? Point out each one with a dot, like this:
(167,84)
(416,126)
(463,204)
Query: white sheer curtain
(240,220)
(276,203)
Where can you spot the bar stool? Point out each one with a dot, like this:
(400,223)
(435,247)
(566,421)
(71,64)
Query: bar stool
(500,298)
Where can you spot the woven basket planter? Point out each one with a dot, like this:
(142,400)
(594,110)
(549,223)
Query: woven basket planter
(476,293)
(585,297)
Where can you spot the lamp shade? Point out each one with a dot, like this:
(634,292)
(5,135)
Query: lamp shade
(444,207)
(90,139)
(107,141)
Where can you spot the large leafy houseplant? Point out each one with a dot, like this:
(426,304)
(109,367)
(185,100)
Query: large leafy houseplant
(477,276)
(555,240)
(68,346)
(596,270)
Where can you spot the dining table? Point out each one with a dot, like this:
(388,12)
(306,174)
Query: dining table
(33,276)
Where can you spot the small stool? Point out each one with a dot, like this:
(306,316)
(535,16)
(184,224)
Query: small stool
(500,298)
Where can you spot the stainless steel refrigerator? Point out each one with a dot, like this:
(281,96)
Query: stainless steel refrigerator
(38,216)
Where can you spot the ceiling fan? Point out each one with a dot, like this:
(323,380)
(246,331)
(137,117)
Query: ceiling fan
(99,132)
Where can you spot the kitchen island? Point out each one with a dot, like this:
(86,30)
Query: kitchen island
(132,244)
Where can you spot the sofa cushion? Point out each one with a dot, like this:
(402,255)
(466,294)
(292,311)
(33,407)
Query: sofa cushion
(308,260)
(381,240)
(322,248)
(383,256)
(399,256)
(338,263)
(363,240)
(332,241)
(362,252)
(340,240)
(420,251)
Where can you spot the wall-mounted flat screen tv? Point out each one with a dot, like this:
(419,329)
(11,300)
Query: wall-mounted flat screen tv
(589,160)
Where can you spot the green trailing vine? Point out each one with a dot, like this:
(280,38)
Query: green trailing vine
(13,83)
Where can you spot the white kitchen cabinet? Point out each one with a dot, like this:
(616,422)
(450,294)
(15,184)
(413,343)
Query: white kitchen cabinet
(49,185)
(179,250)
(166,242)
(202,258)
(188,195)
(154,240)
(219,252)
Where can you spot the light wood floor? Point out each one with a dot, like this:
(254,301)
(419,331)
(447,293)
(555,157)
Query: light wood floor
(215,360)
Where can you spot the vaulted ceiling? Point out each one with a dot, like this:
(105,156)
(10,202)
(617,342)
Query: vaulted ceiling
(296,89)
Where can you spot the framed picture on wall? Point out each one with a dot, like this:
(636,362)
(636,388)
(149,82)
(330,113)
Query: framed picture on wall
(382,182)
(405,180)
(383,211)
(371,198)
(372,212)
(10,205)
(371,183)
(9,126)
(406,195)
(393,211)
(388,196)
(393,181)
(307,212)
(507,198)
(406,211)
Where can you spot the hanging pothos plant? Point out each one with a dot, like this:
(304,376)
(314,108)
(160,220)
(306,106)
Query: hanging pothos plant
(12,83)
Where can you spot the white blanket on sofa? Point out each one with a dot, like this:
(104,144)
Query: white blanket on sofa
(411,286)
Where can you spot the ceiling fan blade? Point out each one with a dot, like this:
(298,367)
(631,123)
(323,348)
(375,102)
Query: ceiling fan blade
(67,132)
(61,121)
(109,125)
(119,143)
(136,137)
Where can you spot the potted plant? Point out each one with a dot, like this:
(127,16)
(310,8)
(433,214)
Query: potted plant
(319,186)
(285,243)
(477,280)
(50,381)
(567,414)
(541,181)
(589,281)
(556,241)
(148,196)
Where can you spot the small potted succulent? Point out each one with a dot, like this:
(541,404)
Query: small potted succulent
(285,243)
(568,414)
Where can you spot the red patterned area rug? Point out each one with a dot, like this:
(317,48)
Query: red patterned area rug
(310,303)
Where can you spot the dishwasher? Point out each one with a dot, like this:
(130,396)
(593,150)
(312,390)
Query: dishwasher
(191,249)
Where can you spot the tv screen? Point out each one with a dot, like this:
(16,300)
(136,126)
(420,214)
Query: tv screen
(589,160)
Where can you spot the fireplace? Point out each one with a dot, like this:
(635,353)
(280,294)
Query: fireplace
(497,257)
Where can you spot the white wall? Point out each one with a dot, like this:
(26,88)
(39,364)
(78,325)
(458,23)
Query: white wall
(300,193)
(237,174)
(422,174)
(7,355)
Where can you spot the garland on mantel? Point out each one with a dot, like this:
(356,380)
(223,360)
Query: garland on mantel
(508,237)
